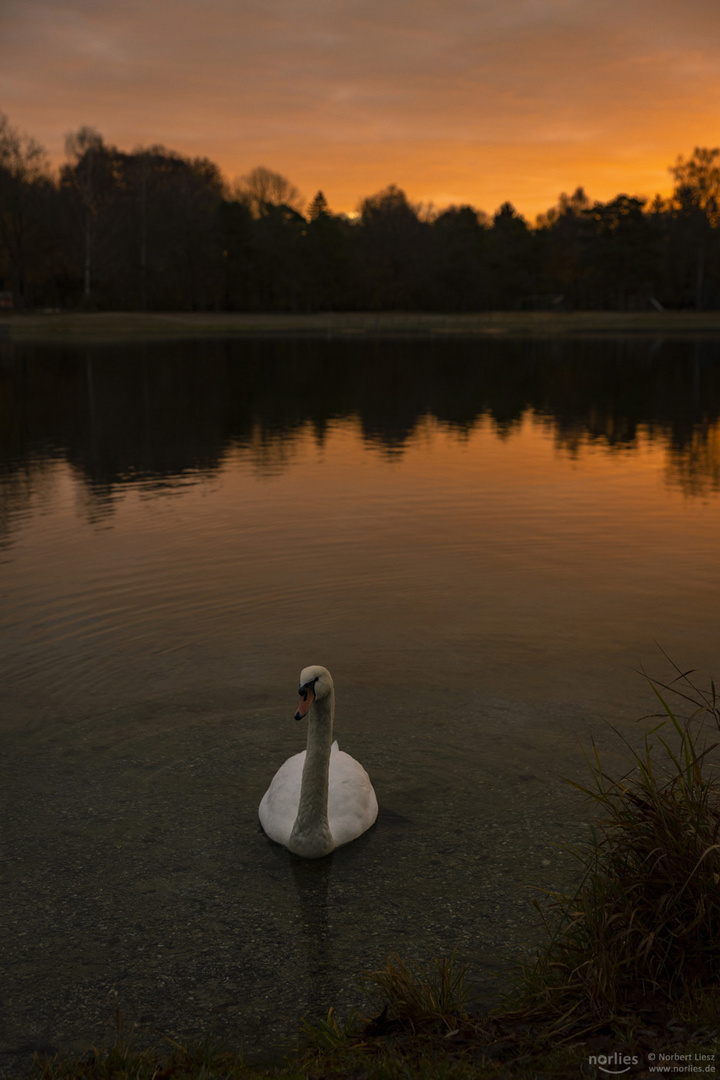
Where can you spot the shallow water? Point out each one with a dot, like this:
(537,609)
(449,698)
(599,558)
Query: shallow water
(482,541)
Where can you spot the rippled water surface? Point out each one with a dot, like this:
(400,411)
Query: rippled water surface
(483,542)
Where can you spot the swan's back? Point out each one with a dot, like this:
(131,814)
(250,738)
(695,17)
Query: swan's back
(279,805)
(352,805)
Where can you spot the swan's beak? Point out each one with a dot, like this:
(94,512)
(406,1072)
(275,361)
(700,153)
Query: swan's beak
(308,698)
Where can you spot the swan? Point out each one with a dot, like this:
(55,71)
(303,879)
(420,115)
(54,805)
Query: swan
(320,798)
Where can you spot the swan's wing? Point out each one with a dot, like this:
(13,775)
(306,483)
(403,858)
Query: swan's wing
(279,805)
(352,806)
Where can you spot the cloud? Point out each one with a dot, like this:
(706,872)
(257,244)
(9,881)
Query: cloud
(239,79)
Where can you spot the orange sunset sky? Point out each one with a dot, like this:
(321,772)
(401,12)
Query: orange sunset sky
(455,101)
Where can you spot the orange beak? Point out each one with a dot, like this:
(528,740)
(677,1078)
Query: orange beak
(304,706)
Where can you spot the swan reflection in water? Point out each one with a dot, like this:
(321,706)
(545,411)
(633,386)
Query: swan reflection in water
(320,798)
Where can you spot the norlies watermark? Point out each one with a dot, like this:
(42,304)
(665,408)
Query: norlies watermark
(665,1062)
(614,1064)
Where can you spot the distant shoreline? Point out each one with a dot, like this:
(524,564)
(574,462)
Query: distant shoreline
(117,327)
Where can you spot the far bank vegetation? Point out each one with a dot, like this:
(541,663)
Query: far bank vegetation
(152,230)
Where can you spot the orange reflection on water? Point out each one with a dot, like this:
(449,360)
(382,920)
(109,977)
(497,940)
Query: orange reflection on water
(502,562)
(510,548)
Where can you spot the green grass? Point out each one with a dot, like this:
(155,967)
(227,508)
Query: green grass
(631,962)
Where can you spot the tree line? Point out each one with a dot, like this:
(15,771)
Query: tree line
(155,230)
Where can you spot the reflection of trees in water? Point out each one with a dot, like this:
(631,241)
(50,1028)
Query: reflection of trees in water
(271,452)
(21,487)
(695,467)
(158,413)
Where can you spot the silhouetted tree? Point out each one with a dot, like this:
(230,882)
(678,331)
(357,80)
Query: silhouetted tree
(460,257)
(239,256)
(140,179)
(511,259)
(318,207)
(394,267)
(87,176)
(262,189)
(696,202)
(329,249)
(24,190)
(622,257)
(151,226)
(562,235)
(599,255)
(188,230)
(280,266)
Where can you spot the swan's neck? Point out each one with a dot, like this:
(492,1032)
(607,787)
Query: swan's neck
(311,834)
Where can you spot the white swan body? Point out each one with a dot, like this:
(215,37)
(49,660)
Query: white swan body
(321,798)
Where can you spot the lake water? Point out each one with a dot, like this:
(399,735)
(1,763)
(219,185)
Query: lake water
(483,541)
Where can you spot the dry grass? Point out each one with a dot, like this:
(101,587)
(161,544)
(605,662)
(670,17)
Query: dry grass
(643,925)
(113,327)
(419,997)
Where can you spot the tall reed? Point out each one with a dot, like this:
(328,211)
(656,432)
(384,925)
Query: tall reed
(644,923)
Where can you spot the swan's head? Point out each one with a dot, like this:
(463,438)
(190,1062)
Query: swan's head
(315,684)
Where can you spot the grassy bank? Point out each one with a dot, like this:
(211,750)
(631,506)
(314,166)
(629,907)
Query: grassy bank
(628,980)
(100,327)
